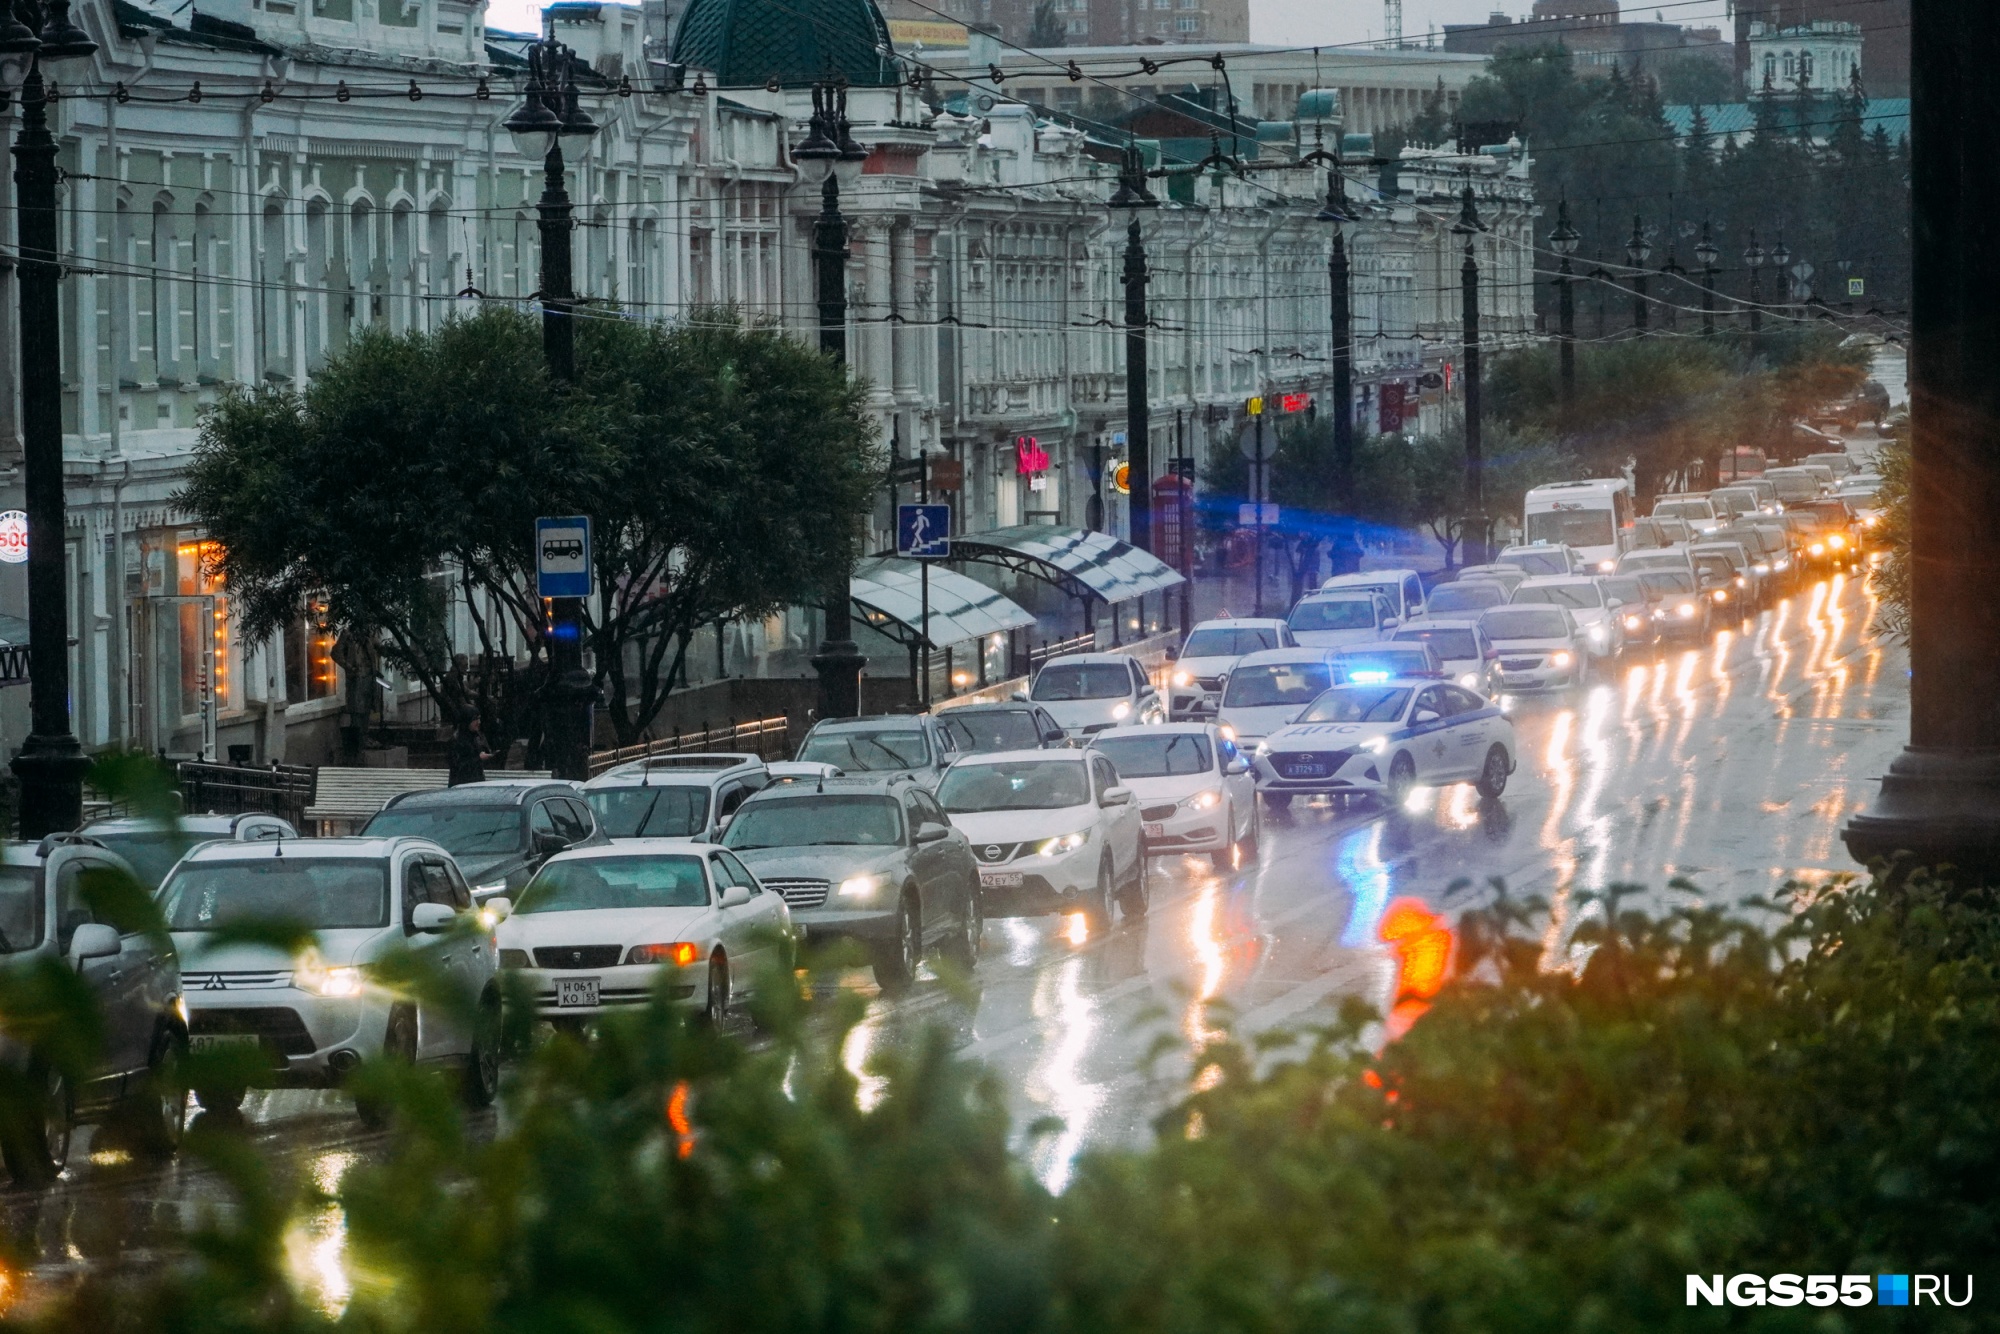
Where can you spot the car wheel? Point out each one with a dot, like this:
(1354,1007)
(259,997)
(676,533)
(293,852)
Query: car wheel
(399,1044)
(964,947)
(896,960)
(1139,894)
(1402,777)
(481,1080)
(1255,838)
(1493,777)
(159,1111)
(716,1009)
(36,1146)
(1097,911)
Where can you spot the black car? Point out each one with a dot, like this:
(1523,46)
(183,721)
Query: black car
(983,728)
(499,831)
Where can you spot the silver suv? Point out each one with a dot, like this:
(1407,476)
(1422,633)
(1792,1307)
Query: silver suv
(314,1016)
(137,987)
(866,859)
(152,847)
(674,796)
(915,745)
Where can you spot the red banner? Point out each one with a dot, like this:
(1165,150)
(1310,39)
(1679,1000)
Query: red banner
(1029,456)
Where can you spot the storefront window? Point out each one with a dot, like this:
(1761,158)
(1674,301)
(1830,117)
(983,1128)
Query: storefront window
(206,664)
(309,670)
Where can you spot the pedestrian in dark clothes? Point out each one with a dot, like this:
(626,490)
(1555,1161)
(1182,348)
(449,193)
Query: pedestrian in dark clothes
(468,753)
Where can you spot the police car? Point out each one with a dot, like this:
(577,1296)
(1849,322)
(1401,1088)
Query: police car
(1385,738)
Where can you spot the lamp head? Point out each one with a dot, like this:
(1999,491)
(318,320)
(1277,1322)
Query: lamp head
(1132,191)
(62,39)
(1335,211)
(1638,249)
(1564,239)
(1705,250)
(1468,224)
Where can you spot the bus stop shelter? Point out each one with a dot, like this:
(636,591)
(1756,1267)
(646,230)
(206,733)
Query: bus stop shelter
(1088,566)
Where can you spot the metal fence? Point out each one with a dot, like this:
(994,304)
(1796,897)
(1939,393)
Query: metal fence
(1056,648)
(768,738)
(283,790)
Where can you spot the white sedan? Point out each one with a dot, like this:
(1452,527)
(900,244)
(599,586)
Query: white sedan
(597,927)
(1194,790)
(1382,740)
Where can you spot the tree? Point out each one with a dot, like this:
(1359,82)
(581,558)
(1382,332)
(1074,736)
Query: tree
(1047,28)
(723,466)
(1695,81)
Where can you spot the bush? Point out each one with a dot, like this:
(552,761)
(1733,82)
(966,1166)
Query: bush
(1557,1142)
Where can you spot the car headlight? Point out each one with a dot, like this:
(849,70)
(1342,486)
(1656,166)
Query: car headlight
(181,1008)
(1124,709)
(1607,566)
(1375,745)
(1063,845)
(1597,631)
(1263,749)
(1183,678)
(1206,800)
(1761,569)
(1837,541)
(1685,611)
(1781,564)
(862,886)
(1817,548)
(1721,595)
(1633,623)
(335,983)
(1869,521)
(680,953)
(1228,732)
(1742,582)
(1470,680)
(1560,658)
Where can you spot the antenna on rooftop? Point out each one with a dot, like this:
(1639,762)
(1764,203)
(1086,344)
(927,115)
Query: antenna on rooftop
(1392,22)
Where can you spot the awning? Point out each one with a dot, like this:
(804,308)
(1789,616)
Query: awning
(1081,563)
(888,595)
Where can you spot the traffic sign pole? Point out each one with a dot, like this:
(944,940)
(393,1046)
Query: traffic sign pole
(924,586)
(563,574)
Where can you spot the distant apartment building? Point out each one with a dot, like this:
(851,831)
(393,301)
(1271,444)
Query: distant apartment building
(1883,27)
(1597,35)
(1090,22)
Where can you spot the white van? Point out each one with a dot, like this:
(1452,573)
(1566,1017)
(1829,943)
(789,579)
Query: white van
(1593,517)
(1403,590)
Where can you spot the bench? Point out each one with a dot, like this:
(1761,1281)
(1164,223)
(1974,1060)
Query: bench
(345,798)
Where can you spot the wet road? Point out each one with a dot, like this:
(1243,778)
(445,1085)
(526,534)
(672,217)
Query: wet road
(1732,765)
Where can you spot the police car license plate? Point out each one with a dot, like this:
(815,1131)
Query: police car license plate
(1308,771)
(576,991)
(1000,879)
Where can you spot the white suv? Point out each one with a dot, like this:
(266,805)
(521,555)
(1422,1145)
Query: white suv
(315,1015)
(1212,648)
(674,796)
(1088,692)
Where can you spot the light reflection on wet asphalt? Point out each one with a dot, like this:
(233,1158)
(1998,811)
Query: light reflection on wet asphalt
(1732,764)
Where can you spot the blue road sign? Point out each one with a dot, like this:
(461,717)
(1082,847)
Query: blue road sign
(562,557)
(923,532)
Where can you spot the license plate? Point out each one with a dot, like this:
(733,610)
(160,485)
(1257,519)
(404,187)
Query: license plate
(1308,771)
(223,1041)
(1154,830)
(576,991)
(1000,879)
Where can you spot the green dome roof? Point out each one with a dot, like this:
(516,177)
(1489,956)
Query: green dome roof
(798,42)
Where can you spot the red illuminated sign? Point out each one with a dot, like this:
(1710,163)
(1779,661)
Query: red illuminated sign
(1294,402)
(1029,456)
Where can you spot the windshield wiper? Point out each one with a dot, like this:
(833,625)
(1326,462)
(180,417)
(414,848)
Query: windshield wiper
(640,830)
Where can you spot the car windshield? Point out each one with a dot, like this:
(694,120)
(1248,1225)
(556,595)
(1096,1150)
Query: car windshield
(1451,644)
(1684,509)
(1333,614)
(1008,729)
(820,820)
(1014,785)
(1653,560)
(1577,596)
(1661,583)
(1735,556)
(1464,597)
(1795,486)
(21,908)
(1831,514)
(463,831)
(1061,682)
(1542,562)
(615,882)
(1627,591)
(1733,502)
(1524,623)
(152,852)
(1276,683)
(1358,704)
(670,810)
(1715,565)
(1158,755)
(1230,643)
(1571,528)
(318,893)
(866,750)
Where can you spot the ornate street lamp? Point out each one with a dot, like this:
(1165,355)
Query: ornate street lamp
(1753,260)
(1637,251)
(1781,262)
(1673,273)
(1133,196)
(1564,240)
(1706,255)
(830,156)
(550,113)
(1469,227)
(51,764)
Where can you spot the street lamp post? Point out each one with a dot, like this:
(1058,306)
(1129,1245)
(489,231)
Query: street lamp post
(548,114)
(1564,241)
(1469,226)
(1706,254)
(1672,273)
(1781,263)
(1133,195)
(830,153)
(1342,347)
(1637,251)
(51,764)
(1753,260)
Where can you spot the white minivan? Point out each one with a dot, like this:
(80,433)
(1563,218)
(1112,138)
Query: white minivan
(1402,589)
(1593,517)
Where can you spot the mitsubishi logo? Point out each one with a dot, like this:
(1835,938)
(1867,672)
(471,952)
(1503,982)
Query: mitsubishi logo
(215,983)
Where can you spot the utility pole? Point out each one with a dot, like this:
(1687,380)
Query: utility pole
(1133,195)
(1341,347)
(1564,240)
(1637,250)
(1753,259)
(1473,541)
(1940,800)
(1707,254)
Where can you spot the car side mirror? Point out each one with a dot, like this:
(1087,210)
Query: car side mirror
(1239,765)
(1019,697)
(1424,716)
(94,940)
(735,896)
(501,907)
(1116,796)
(548,843)
(932,832)
(430,918)
(1172,654)
(1391,622)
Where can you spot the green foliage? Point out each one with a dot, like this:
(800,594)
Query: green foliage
(724,466)
(1047,28)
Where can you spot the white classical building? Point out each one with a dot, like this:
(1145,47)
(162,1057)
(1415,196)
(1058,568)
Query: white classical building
(249,184)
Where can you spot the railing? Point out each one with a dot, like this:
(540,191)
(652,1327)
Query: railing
(1056,648)
(283,790)
(769,738)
